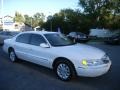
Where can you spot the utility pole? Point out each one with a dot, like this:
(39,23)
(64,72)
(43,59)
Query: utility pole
(2,14)
(31,22)
(50,18)
(51,25)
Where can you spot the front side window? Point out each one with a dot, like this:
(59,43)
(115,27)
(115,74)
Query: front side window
(23,38)
(37,40)
(58,40)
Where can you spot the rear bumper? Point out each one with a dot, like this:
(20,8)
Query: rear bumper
(93,71)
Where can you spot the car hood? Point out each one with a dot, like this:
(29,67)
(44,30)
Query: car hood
(80,51)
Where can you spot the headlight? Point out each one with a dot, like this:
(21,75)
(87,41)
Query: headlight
(104,60)
(84,62)
(91,62)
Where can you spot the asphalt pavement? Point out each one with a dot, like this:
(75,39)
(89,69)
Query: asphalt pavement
(23,75)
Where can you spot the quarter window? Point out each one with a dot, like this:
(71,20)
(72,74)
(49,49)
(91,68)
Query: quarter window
(23,38)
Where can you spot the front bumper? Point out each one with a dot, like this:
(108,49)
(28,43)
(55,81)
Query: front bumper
(93,71)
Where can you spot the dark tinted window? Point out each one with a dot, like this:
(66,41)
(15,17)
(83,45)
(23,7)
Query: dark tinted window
(8,33)
(14,33)
(5,33)
(37,40)
(73,34)
(23,38)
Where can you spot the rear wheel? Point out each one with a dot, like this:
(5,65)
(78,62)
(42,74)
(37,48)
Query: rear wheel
(12,55)
(64,70)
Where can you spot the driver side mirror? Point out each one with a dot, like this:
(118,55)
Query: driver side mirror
(44,45)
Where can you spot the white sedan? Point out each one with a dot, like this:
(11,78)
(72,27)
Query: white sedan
(55,51)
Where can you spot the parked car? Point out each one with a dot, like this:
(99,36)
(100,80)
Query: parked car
(78,37)
(115,39)
(6,34)
(1,30)
(55,51)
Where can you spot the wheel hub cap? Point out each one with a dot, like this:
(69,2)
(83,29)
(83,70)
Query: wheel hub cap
(63,71)
(12,56)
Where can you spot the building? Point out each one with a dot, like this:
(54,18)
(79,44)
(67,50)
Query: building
(26,27)
(0,23)
(37,28)
(7,23)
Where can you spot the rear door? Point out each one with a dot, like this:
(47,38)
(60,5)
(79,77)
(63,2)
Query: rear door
(22,47)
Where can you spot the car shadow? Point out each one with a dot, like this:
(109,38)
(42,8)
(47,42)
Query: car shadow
(36,67)
(104,82)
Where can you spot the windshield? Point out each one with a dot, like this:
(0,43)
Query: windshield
(58,40)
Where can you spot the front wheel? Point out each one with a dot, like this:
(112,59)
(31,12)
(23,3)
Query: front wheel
(12,55)
(64,70)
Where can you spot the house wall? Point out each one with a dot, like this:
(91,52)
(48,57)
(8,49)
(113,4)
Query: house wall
(9,24)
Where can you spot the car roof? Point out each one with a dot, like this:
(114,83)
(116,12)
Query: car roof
(39,32)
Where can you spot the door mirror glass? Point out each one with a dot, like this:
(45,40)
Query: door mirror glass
(44,45)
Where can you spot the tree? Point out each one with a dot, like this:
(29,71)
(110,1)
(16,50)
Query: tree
(28,20)
(67,20)
(38,19)
(96,14)
(18,17)
(101,12)
(35,20)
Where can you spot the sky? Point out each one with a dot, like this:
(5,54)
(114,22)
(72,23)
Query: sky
(30,7)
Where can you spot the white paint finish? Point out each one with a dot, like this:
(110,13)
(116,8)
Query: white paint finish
(46,56)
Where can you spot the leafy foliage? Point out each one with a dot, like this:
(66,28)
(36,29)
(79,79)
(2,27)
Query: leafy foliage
(35,20)
(104,13)
(18,17)
(95,14)
(67,20)
(38,19)
(28,20)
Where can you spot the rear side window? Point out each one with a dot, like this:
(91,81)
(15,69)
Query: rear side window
(23,38)
(72,34)
(37,40)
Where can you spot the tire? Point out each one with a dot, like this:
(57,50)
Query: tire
(12,55)
(64,70)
